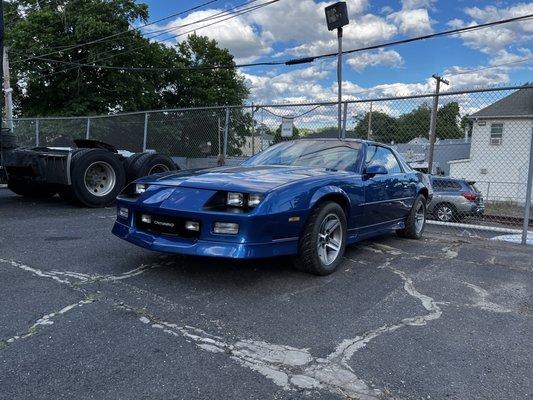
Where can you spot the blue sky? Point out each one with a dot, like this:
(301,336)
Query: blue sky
(293,28)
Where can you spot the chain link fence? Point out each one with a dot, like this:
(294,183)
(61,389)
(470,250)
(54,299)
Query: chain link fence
(480,162)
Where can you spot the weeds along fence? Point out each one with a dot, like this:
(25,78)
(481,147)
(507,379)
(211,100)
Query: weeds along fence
(482,136)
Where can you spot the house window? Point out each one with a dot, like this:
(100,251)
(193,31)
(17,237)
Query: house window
(496,131)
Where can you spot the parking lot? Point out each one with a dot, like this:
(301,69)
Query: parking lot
(86,315)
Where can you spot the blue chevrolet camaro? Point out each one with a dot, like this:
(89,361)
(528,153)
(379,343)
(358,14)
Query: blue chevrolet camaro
(304,198)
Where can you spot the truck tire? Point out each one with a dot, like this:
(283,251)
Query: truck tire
(128,162)
(30,189)
(148,164)
(97,177)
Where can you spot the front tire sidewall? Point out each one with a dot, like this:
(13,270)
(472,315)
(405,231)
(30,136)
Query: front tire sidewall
(308,258)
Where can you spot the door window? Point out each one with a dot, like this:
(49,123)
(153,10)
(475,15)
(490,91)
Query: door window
(377,155)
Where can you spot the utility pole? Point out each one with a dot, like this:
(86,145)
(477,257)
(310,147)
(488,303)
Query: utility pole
(433,122)
(339,80)
(336,18)
(7,90)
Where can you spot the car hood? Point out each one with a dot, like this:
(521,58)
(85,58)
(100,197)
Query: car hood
(258,179)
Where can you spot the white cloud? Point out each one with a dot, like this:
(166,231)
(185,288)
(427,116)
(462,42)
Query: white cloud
(412,21)
(297,85)
(414,4)
(236,34)
(360,61)
(369,29)
(302,20)
(505,57)
(468,78)
(496,38)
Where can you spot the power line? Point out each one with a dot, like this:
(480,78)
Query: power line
(306,59)
(431,36)
(489,67)
(122,32)
(231,15)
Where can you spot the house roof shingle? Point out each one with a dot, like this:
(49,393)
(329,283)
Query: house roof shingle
(518,104)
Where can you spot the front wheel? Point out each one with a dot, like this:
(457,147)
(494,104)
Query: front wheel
(416,221)
(323,241)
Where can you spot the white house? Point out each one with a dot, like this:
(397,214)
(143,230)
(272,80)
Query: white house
(499,153)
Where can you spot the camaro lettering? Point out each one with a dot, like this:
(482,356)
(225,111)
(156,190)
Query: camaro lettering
(169,224)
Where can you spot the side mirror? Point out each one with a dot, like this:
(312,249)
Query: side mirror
(376,170)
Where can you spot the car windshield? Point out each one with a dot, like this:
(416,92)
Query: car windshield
(329,154)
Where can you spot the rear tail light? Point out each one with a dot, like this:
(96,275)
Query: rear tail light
(470,196)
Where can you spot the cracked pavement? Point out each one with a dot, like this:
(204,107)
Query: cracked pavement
(86,315)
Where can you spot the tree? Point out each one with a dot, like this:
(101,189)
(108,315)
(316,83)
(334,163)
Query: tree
(384,127)
(53,85)
(448,120)
(414,124)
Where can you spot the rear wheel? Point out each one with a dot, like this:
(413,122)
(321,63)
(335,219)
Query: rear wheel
(149,164)
(323,241)
(97,178)
(445,212)
(416,221)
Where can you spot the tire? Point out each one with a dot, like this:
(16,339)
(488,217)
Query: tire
(128,162)
(97,178)
(310,256)
(445,212)
(414,227)
(30,189)
(148,164)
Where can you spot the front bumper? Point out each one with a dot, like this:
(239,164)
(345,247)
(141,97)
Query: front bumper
(208,248)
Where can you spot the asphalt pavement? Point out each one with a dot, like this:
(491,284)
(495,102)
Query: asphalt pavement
(85,315)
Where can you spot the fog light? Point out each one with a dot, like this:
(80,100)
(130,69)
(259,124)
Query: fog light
(254,200)
(235,199)
(226,228)
(146,219)
(140,188)
(192,226)
(123,212)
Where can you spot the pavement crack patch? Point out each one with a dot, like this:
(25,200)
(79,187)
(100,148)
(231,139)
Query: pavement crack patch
(297,369)
(46,320)
(75,279)
(481,300)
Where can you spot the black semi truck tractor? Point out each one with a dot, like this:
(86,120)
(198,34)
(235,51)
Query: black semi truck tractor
(91,173)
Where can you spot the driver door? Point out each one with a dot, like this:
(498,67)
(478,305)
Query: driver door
(384,194)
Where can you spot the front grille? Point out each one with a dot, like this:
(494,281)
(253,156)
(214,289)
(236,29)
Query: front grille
(165,225)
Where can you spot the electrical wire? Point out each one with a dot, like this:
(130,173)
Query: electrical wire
(122,32)
(76,65)
(471,71)
(311,58)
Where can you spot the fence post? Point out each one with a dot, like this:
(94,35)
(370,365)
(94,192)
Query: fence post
(88,130)
(344,117)
(369,133)
(527,206)
(145,133)
(37,140)
(253,130)
(226,129)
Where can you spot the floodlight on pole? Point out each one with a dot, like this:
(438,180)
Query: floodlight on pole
(336,18)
